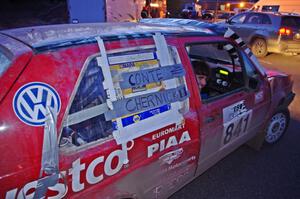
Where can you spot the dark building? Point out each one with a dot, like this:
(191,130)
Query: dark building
(226,4)
(175,6)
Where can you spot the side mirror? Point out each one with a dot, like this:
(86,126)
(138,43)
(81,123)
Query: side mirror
(50,162)
(253,83)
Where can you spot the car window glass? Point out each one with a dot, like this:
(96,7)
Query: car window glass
(238,19)
(254,19)
(291,21)
(217,69)
(86,122)
(259,67)
(4,61)
(266,19)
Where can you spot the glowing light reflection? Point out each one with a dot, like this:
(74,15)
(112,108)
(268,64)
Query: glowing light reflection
(2,128)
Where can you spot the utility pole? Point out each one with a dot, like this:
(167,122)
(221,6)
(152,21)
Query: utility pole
(216,11)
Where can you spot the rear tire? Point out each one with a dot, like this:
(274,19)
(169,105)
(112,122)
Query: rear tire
(277,126)
(259,47)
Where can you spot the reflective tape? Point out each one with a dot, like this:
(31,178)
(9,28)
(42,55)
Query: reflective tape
(146,102)
(147,76)
(86,114)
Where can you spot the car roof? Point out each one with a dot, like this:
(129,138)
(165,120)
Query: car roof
(276,13)
(219,30)
(40,37)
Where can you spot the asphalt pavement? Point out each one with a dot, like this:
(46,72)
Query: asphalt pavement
(273,172)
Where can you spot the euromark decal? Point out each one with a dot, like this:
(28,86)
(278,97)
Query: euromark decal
(31,100)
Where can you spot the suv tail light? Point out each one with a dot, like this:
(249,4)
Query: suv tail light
(285,31)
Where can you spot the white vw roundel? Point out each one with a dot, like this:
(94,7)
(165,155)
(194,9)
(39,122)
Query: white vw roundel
(31,100)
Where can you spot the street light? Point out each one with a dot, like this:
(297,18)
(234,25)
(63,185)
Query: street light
(242,4)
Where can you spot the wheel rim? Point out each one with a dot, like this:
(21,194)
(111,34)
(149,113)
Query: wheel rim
(276,127)
(259,47)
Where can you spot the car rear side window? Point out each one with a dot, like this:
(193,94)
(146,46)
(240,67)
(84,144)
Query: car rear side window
(239,19)
(266,19)
(122,94)
(5,60)
(291,21)
(258,19)
(86,122)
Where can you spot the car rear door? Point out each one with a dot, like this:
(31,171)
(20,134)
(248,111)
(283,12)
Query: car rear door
(133,150)
(13,58)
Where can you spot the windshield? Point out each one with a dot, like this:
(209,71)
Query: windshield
(5,60)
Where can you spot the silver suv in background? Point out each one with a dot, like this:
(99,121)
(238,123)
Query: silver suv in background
(268,32)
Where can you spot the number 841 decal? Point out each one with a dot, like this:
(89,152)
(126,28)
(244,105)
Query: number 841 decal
(236,127)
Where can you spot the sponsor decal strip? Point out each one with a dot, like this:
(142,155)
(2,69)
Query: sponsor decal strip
(131,58)
(140,64)
(141,88)
(126,121)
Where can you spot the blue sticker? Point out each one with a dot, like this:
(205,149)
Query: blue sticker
(142,116)
(31,100)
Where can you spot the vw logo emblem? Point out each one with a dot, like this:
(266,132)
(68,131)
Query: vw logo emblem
(31,100)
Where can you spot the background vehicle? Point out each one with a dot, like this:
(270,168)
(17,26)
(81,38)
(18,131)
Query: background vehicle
(191,10)
(226,15)
(208,14)
(268,32)
(77,119)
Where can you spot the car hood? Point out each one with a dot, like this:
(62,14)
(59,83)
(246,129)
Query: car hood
(274,73)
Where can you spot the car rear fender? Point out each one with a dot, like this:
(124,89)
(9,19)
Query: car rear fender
(20,57)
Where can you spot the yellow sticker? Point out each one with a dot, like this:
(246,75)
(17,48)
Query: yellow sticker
(124,66)
(147,87)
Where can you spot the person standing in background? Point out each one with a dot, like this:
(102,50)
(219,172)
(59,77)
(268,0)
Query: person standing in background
(146,12)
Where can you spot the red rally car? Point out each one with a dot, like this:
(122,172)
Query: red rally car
(128,110)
